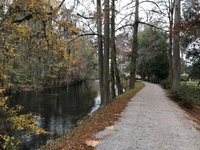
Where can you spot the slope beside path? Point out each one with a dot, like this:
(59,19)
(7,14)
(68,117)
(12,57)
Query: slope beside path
(151,122)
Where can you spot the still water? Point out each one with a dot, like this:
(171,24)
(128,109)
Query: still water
(59,109)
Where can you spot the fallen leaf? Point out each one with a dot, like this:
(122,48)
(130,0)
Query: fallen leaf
(110,127)
(92,143)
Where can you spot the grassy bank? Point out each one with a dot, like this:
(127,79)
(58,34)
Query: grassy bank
(99,120)
(186,95)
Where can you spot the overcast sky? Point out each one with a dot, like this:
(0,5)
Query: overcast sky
(88,7)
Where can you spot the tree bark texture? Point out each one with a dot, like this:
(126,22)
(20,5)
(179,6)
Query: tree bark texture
(106,82)
(100,46)
(115,77)
(134,48)
(171,21)
(112,69)
(176,47)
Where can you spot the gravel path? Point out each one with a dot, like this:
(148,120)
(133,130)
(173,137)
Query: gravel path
(151,122)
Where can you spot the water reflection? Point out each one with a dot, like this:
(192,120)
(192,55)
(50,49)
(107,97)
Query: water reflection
(59,109)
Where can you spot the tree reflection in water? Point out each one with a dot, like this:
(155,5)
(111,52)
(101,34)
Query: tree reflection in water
(59,109)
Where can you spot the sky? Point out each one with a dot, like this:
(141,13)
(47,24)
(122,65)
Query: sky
(88,8)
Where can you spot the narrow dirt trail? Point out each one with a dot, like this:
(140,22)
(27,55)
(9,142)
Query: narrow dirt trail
(151,122)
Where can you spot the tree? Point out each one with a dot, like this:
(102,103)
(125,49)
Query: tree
(134,47)
(115,77)
(152,54)
(106,83)
(193,53)
(45,38)
(176,47)
(34,45)
(113,51)
(171,22)
(191,41)
(100,47)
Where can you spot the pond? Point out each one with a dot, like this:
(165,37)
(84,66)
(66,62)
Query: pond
(59,109)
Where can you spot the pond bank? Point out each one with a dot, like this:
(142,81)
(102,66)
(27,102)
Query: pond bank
(39,87)
(91,124)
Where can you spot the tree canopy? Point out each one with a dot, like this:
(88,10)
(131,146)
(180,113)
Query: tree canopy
(152,59)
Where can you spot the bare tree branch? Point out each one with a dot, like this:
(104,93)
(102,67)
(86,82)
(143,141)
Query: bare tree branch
(61,4)
(151,25)
(125,18)
(140,22)
(85,16)
(82,35)
(149,1)
(27,17)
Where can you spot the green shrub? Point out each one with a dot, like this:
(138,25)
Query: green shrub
(154,79)
(188,96)
(166,84)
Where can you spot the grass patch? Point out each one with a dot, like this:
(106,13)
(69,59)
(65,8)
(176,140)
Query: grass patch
(187,95)
(90,125)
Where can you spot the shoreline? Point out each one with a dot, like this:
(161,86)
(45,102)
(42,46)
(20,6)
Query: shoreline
(26,88)
(86,128)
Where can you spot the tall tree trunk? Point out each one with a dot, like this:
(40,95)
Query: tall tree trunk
(106,83)
(117,76)
(134,48)
(100,46)
(113,54)
(112,69)
(176,47)
(170,53)
(171,14)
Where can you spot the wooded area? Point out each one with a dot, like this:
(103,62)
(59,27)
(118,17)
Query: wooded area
(53,43)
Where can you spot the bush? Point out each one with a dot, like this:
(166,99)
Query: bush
(166,84)
(154,79)
(188,96)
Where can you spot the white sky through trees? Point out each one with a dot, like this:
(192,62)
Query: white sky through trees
(149,12)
